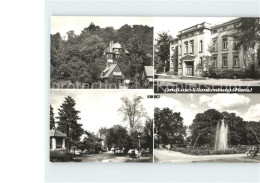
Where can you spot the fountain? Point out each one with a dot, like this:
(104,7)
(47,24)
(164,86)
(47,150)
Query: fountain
(221,142)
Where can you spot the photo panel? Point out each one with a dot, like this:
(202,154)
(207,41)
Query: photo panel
(207,55)
(101,52)
(101,126)
(219,128)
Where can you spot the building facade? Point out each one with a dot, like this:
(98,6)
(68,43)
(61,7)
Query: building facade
(112,73)
(203,49)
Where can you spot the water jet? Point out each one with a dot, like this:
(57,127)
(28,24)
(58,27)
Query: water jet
(221,141)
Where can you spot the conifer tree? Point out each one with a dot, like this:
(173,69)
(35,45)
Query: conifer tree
(52,120)
(68,120)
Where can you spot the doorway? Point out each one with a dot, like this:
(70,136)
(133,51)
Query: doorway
(189,68)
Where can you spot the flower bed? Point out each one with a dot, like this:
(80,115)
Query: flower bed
(210,151)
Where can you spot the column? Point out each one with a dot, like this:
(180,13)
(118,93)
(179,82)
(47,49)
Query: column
(63,143)
(53,143)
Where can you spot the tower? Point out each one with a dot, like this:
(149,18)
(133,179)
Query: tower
(112,52)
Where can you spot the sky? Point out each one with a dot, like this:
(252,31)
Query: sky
(99,108)
(175,24)
(246,106)
(63,24)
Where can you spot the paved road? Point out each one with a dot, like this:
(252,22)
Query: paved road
(172,156)
(111,157)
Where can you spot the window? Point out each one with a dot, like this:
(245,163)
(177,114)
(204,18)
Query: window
(201,62)
(215,31)
(215,45)
(117,73)
(109,56)
(180,49)
(201,46)
(236,61)
(215,62)
(225,43)
(192,46)
(186,47)
(224,61)
(224,28)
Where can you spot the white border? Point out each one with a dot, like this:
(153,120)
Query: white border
(138,172)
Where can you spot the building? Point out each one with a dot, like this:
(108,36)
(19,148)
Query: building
(147,75)
(112,73)
(57,140)
(204,49)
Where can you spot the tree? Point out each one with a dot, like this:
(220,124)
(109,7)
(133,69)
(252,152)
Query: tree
(92,27)
(148,134)
(237,128)
(91,143)
(81,57)
(203,127)
(92,54)
(253,132)
(84,61)
(247,33)
(247,38)
(133,111)
(162,49)
(117,137)
(168,127)
(102,130)
(68,120)
(52,120)
(138,57)
(125,32)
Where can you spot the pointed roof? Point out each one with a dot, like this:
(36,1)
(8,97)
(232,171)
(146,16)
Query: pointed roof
(148,70)
(112,46)
(108,70)
(116,45)
(56,133)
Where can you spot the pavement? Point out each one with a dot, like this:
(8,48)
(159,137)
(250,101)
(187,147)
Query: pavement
(209,81)
(163,156)
(111,157)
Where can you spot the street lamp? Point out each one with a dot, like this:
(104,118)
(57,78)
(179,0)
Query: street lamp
(139,141)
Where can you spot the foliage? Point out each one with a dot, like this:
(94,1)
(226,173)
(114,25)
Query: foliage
(81,57)
(91,143)
(168,127)
(102,130)
(203,129)
(117,137)
(68,120)
(52,120)
(133,111)
(204,126)
(210,151)
(247,34)
(247,38)
(147,135)
(162,51)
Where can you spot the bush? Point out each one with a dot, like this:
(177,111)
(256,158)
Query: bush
(210,151)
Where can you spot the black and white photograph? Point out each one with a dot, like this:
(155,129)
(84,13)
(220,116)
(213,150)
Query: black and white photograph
(207,55)
(207,128)
(101,52)
(101,126)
